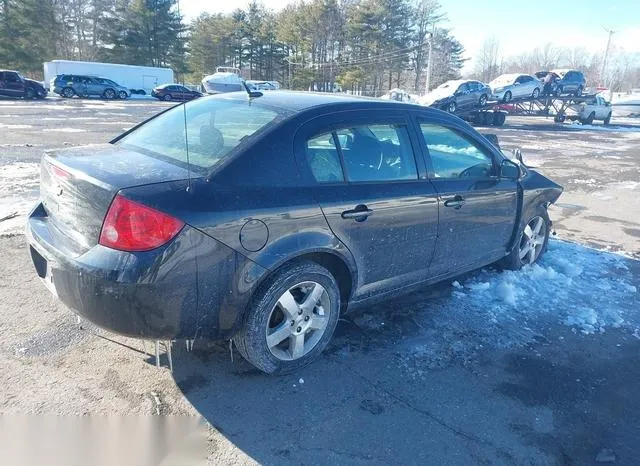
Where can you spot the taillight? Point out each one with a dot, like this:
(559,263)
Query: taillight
(60,173)
(130,226)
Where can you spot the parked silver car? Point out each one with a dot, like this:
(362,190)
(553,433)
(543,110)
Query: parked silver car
(69,85)
(514,86)
(458,94)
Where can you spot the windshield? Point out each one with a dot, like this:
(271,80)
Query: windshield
(214,127)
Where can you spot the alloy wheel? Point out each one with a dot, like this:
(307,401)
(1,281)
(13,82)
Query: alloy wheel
(532,240)
(298,321)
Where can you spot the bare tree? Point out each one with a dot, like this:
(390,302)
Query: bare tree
(489,59)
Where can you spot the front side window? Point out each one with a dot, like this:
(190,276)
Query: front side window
(11,77)
(455,156)
(214,127)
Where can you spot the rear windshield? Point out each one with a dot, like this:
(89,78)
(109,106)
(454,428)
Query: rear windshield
(214,128)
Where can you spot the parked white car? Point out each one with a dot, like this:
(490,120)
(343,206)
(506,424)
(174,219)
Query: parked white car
(597,109)
(513,86)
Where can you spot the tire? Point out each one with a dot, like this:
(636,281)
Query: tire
(536,93)
(452,107)
(507,96)
(68,92)
(607,120)
(122,95)
(483,100)
(516,260)
(589,119)
(559,119)
(558,91)
(499,118)
(167,98)
(578,92)
(266,313)
(30,94)
(109,94)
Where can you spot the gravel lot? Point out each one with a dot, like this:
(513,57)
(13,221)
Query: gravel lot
(446,375)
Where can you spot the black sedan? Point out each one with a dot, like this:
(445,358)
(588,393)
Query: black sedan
(262,219)
(171,92)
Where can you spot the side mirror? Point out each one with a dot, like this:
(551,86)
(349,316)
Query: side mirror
(509,170)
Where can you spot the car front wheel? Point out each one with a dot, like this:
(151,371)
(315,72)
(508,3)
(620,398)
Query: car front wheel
(122,95)
(290,319)
(168,97)
(68,92)
(452,107)
(536,93)
(507,96)
(532,243)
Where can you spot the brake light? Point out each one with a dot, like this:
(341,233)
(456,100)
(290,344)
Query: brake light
(130,226)
(60,173)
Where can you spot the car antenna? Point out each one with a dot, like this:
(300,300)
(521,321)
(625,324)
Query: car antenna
(186,143)
(251,93)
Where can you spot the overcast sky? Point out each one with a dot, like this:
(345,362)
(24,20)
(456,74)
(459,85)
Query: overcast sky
(519,25)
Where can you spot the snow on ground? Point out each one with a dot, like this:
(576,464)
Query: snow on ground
(584,289)
(19,183)
(574,285)
(609,128)
(64,130)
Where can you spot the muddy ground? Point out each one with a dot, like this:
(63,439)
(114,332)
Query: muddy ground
(446,375)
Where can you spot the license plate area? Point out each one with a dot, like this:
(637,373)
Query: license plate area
(43,270)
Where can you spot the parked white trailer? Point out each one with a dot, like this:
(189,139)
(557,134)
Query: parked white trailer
(133,77)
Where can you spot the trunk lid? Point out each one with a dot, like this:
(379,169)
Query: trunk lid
(77,185)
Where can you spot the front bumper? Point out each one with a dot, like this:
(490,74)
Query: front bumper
(145,295)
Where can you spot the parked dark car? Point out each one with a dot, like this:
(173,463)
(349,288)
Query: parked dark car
(570,82)
(263,219)
(69,85)
(455,95)
(13,84)
(174,92)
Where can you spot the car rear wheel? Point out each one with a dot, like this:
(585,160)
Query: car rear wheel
(168,97)
(452,107)
(532,242)
(483,100)
(507,96)
(536,93)
(122,95)
(109,94)
(30,94)
(68,92)
(608,119)
(290,319)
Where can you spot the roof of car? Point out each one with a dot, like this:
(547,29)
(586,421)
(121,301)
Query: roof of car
(298,101)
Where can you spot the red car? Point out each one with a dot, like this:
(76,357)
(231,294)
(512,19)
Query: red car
(170,92)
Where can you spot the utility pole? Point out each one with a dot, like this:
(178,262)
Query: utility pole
(606,56)
(428,80)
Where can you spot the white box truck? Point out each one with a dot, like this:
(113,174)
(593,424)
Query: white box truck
(135,78)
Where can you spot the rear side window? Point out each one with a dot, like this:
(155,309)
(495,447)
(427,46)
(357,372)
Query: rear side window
(214,127)
(324,159)
(455,156)
(370,153)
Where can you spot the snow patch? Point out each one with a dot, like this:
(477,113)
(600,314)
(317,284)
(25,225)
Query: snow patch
(64,130)
(18,193)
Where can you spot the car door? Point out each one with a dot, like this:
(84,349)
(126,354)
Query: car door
(93,86)
(14,86)
(520,87)
(570,82)
(477,209)
(602,109)
(462,96)
(374,194)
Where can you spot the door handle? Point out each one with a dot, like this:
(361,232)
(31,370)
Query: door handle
(457,202)
(359,214)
